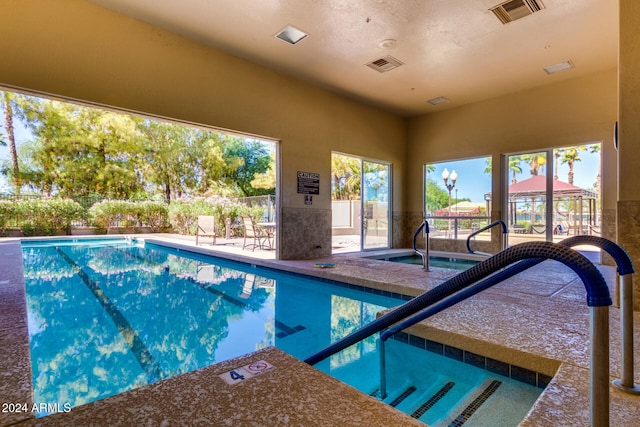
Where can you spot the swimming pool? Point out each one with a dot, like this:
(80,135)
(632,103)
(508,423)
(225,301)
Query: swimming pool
(109,315)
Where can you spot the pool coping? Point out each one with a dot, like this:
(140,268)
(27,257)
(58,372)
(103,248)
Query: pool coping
(563,402)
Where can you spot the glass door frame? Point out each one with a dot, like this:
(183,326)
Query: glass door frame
(549,171)
(363,228)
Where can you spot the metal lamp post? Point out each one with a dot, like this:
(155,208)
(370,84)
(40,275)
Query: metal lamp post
(445,177)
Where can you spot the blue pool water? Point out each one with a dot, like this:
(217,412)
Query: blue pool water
(109,315)
(442,262)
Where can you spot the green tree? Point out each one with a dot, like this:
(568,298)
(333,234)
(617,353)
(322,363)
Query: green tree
(245,158)
(345,177)
(81,151)
(267,180)
(179,159)
(436,196)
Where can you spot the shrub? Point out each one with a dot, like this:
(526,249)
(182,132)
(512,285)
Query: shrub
(183,214)
(48,217)
(154,214)
(121,213)
(105,214)
(7,213)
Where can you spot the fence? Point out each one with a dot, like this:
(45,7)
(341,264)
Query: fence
(456,227)
(268,203)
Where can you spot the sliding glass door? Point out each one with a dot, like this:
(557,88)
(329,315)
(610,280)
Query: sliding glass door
(361,203)
(375,205)
(554,193)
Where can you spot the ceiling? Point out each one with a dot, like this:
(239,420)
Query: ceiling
(456,49)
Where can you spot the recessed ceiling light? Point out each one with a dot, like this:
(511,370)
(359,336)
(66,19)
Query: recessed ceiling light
(291,34)
(438,100)
(566,65)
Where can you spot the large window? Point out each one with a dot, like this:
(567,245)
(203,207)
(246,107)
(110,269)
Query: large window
(456,197)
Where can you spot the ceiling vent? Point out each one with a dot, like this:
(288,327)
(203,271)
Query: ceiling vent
(384,64)
(516,9)
(438,100)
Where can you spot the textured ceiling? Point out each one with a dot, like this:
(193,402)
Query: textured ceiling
(452,48)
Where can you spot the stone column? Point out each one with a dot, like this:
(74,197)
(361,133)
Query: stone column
(628,206)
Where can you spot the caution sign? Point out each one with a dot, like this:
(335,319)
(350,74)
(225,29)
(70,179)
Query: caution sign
(245,372)
(308,183)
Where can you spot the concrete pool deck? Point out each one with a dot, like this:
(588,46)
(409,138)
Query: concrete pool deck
(538,320)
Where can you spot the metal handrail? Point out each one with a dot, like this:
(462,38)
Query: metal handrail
(598,299)
(425,255)
(625,270)
(503,241)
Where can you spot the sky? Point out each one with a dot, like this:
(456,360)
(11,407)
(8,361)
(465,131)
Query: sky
(472,182)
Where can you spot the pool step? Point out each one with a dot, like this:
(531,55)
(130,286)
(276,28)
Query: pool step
(442,404)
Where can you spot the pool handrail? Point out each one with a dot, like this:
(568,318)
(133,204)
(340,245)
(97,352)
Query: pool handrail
(620,256)
(624,269)
(424,255)
(598,299)
(503,240)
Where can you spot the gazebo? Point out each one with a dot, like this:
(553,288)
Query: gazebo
(535,189)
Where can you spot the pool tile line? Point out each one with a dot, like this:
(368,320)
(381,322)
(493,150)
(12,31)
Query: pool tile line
(433,400)
(527,376)
(286,330)
(398,400)
(142,354)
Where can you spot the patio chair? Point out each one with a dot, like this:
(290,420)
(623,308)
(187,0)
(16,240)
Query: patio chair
(252,231)
(206,228)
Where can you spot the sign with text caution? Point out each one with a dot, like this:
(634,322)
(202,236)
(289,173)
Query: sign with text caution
(308,183)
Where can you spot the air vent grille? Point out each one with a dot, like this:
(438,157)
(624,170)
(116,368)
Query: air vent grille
(516,9)
(384,64)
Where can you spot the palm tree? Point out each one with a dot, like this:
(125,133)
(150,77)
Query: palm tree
(570,157)
(536,161)
(7,102)
(514,167)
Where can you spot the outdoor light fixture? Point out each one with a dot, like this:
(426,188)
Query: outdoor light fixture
(445,177)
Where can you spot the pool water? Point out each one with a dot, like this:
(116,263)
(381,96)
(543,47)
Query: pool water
(107,316)
(442,262)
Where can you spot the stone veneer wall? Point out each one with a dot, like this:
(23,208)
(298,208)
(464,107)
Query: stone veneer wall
(304,233)
(608,231)
(628,222)
(404,225)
